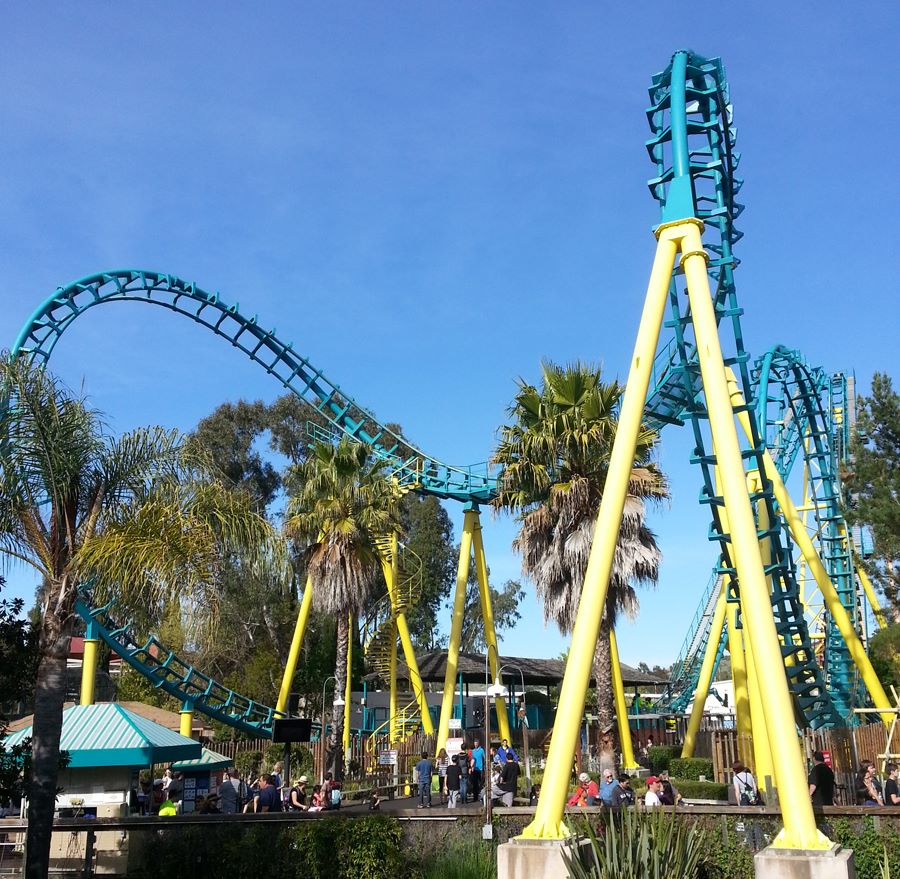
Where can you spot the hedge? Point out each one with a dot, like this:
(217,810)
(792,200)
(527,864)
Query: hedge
(691,768)
(661,755)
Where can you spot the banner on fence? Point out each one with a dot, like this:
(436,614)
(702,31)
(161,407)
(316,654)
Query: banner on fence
(387,758)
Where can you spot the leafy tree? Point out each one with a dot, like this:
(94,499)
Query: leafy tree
(884,651)
(504,604)
(872,483)
(344,502)
(133,515)
(554,458)
(428,532)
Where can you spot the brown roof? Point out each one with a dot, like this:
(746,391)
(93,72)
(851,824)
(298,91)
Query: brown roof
(542,672)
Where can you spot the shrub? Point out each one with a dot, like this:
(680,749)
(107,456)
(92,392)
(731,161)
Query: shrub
(702,790)
(472,859)
(691,768)
(248,761)
(872,847)
(637,843)
(660,756)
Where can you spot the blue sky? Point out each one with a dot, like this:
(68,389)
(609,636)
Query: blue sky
(428,198)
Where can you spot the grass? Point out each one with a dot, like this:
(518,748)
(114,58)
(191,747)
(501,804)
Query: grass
(470,860)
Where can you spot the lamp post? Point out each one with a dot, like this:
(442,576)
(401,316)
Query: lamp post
(338,703)
(524,720)
(490,691)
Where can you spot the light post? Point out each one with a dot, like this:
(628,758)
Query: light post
(524,720)
(337,703)
(490,691)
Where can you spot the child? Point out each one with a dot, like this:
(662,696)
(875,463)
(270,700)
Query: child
(374,802)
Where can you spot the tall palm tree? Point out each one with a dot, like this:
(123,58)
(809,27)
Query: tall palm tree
(136,515)
(553,459)
(344,500)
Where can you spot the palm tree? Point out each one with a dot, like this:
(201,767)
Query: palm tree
(134,515)
(344,500)
(553,459)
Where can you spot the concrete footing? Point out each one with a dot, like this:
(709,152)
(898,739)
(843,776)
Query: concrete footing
(538,858)
(785,863)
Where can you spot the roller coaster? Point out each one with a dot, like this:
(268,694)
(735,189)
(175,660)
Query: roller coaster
(795,416)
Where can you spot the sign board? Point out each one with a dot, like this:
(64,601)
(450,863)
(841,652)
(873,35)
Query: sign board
(387,758)
(827,757)
(291,729)
(455,723)
(454,746)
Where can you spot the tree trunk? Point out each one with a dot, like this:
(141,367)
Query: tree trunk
(49,698)
(335,757)
(606,712)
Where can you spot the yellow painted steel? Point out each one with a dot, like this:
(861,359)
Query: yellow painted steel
(706,673)
(490,635)
(186,724)
(800,831)
(348,687)
(826,587)
(391,577)
(762,753)
(548,819)
(392,705)
(738,671)
(628,761)
(89,670)
(290,668)
(470,520)
(874,603)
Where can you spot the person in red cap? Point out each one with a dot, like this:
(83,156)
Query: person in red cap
(651,798)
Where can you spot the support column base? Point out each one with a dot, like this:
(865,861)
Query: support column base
(538,858)
(787,863)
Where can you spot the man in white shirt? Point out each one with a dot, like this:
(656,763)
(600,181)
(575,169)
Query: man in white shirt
(651,798)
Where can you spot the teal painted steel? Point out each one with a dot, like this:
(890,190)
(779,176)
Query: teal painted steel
(107,734)
(207,760)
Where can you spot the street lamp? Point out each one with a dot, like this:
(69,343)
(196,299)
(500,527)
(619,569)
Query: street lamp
(524,720)
(337,703)
(490,691)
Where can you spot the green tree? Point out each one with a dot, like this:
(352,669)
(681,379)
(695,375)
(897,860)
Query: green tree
(554,458)
(135,515)
(504,604)
(344,502)
(872,483)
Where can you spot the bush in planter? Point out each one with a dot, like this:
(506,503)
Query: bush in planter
(701,790)
(637,843)
(660,756)
(691,768)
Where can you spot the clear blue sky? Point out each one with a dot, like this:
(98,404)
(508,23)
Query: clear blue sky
(428,198)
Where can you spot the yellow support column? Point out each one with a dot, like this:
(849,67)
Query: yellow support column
(392,707)
(738,672)
(470,520)
(89,666)
(762,752)
(628,761)
(800,831)
(186,719)
(706,673)
(548,818)
(348,688)
(290,668)
(490,635)
(826,587)
(880,618)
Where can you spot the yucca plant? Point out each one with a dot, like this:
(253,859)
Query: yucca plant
(640,845)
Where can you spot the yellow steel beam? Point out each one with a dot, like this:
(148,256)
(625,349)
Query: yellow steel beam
(874,603)
(290,667)
(706,673)
(348,687)
(628,761)
(490,635)
(800,831)
(392,704)
(470,520)
(89,670)
(548,818)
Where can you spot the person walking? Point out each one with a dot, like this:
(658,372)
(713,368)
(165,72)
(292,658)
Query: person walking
(297,798)
(229,793)
(443,762)
(892,785)
(476,769)
(462,762)
(821,781)
(424,771)
(453,782)
(745,788)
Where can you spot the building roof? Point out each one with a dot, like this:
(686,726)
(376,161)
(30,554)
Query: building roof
(107,734)
(207,760)
(537,672)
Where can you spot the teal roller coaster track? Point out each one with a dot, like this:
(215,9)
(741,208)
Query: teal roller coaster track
(794,407)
